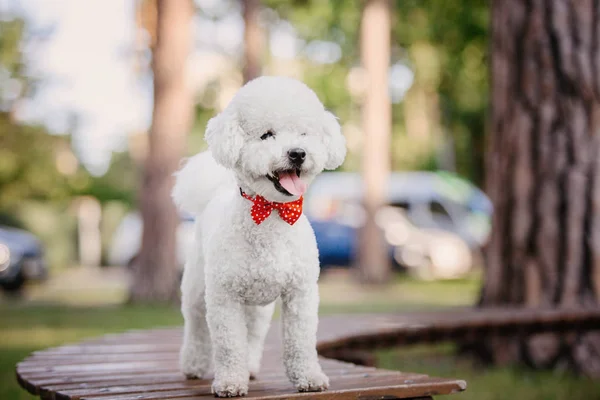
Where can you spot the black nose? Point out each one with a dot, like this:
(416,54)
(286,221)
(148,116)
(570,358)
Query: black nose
(297,156)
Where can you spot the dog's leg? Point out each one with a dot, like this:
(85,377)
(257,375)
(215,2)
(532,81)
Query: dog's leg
(196,355)
(300,320)
(230,345)
(258,320)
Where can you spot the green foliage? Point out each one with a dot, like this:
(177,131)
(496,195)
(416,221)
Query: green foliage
(113,213)
(337,21)
(11,33)
(334,21)
(55,225)
(119,183)
(28,154)
(12,82)
(28,167)
(36,196)
(39,174)
(445,43)
(196,141)
(458,34)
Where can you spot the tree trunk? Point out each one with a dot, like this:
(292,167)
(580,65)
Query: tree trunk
(377,122)
(155,271)
(543,173)
(253,40)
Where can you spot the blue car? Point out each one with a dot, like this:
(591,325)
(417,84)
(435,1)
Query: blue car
(336,242)
(21,259)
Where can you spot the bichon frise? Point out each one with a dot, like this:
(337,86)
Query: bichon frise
(253,245)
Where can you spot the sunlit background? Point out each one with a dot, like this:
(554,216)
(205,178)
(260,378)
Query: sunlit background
(76,104)
(76,76)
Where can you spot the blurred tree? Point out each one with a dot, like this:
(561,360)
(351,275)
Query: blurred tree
(375,53)
(544,174)
(155,270)
(253,40)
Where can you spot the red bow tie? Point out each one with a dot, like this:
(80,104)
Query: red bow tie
(262,208)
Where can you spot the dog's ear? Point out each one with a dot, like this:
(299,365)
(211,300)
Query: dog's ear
(334,141)
(225,138)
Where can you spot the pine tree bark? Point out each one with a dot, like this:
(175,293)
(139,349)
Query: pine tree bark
(543,173)
(155,273)
(253,40)
(377,121)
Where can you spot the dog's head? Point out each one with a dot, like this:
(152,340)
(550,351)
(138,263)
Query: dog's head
(276,136)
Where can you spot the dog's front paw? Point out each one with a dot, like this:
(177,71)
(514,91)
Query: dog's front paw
(229,388)
(314,381)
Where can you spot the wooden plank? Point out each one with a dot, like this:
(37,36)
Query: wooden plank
(165,379)
(90,370)
(108,349)
(102,367)
(129,388)
(393,330)
(35,362)
(101,381)
(104,380)
(349,396)
(373,386)
(43,380)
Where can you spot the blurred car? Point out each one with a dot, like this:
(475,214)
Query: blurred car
(435,223)
(21,259)
(127,239)
(427,253)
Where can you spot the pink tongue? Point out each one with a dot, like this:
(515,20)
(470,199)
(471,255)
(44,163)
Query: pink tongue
(292,183)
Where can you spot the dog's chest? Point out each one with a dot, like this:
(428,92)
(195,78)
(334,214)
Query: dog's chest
(269,269)
(259,284)
(275,257)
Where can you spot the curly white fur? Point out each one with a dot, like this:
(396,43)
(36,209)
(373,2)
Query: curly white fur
(237,269)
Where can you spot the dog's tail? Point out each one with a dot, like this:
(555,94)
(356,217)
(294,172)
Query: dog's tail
(198,181)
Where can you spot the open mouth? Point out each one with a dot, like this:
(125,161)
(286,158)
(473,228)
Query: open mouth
(288,182)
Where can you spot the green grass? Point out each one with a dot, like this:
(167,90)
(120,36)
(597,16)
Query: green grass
(26,328)
(29,326)
(343,294)
(508,383)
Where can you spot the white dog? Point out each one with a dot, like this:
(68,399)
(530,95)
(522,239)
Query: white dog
(253,245)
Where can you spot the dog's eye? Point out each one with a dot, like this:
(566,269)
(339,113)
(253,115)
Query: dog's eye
(303,134)
(267,135)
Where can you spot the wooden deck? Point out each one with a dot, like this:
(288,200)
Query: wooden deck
(143,364)
(383,331)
